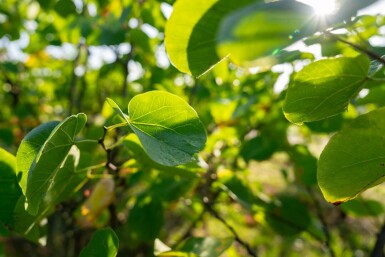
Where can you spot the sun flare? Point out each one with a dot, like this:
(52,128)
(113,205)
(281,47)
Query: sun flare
(322,7)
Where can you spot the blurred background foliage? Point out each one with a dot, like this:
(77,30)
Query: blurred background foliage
(256,175)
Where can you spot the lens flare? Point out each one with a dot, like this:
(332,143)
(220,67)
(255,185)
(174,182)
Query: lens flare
(321,7)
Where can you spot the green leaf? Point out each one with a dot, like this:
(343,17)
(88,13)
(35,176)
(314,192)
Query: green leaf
(29,148)
(376,96)
(117,109)
(66,180)
(353,160)
(288,216)
(363,208)
(145,220)
(305,165)
(239,191)
(26,224)
(104,243)
(259,148)
(168,128)
(191,39)
(9,188)
(324,88)
(65,8)
(262,29)
(52,159)
(202,247)
(327,125)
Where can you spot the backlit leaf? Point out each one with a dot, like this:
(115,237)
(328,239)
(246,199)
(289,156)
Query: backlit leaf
(168,128)
(29,148)
(353,160)
(262,29)
(324,88)
(56,154)
(9,188)
(191,39)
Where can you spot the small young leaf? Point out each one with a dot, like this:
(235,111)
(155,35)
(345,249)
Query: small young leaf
(104,243)
(168,128)
(55,154)
(324,88)
(353,160)
(117,109)
(29,148)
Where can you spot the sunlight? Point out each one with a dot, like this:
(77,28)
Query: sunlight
(322,8)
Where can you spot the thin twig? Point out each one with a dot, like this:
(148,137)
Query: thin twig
(357,47)
(193,92)
(126,71)
(83,88)
(189,230)
(248,248)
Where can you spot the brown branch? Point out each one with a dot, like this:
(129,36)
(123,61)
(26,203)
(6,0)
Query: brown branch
(188,231)
(357,47)
(248,248)
(83,88)
(209,197)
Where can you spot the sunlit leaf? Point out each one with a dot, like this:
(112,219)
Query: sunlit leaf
(191,39)
(324,88)
(9,188)
(168,128)
(117,109)
(262,29)
(29,148)
(58,154)
(353,160)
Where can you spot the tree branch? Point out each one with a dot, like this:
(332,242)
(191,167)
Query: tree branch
(378,250)
(357,47)
(248,248)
